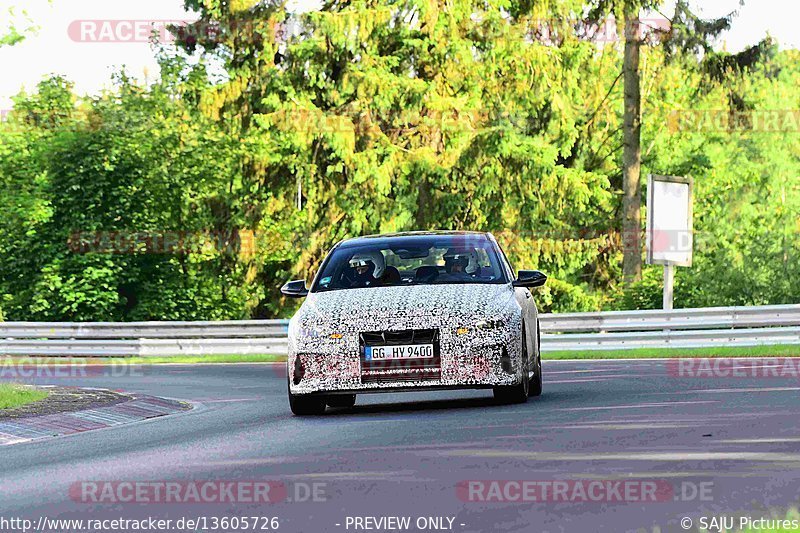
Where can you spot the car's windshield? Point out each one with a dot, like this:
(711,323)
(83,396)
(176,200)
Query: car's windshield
(413,260)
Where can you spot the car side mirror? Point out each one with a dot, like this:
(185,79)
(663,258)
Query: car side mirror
(295,289)
(529,278)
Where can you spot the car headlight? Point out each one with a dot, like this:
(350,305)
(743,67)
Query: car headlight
(493,322)
(317,331)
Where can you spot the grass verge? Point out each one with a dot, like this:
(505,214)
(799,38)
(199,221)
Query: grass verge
(178,359)
(653,353)
(222,358)
(13,395)
(645,353)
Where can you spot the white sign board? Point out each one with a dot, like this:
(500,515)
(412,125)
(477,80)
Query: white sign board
(669,220)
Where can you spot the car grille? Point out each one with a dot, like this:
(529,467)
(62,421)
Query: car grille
(402,370)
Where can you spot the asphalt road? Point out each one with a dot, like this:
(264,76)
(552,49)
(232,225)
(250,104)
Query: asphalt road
(713,447)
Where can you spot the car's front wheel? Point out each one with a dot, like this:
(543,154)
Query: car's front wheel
(516,393)
(302,405)
(341,400)
(535,386)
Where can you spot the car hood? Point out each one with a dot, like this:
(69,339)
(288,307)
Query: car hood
(445,301)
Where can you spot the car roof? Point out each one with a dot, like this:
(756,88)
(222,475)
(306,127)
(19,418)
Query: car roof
(410,235)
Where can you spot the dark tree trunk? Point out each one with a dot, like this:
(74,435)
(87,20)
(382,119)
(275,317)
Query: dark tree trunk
(631,152)
(423,205)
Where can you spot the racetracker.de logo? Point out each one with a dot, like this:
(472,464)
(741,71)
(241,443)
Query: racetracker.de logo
(122,31)
(178,492)
(727,121)
(166,31)
(25,368)
(726,367)
(565,491)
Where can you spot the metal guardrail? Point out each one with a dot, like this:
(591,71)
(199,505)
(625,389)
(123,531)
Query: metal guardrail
(148,330)
(700,318)
(685,328)
(95,339)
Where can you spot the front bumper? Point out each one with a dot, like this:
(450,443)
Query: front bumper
(478,359)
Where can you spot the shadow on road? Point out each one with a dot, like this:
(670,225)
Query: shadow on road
(450,404)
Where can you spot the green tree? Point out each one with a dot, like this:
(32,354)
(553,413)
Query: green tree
(368,116)
(406,115)
(135,162)
(687,33)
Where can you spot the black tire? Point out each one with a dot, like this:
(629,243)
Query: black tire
(535,386)
(516,393)
(341,400)
(302,405)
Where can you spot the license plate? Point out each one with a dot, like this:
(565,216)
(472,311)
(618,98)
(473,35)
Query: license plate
(406,351)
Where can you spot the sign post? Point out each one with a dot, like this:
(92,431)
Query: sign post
(669,284)
(669,227)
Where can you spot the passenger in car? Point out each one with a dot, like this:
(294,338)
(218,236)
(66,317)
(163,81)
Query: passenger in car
(391,276)
(455,267)
(426,274)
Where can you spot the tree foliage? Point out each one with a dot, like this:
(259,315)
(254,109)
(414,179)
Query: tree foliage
(275,135)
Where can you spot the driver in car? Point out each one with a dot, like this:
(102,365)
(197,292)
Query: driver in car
(360,274)
(455,266)
(364,270)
